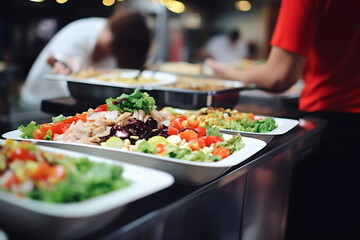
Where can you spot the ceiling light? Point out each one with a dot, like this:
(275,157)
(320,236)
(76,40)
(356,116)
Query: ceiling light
(108,2)
(243,5)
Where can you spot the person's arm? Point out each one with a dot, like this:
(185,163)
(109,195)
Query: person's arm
(279,73)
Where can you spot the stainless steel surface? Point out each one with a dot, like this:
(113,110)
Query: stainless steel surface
(266,199)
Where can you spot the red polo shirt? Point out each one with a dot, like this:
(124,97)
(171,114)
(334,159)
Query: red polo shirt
(327,33)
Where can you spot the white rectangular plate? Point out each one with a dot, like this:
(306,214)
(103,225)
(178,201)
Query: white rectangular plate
(163,78)
(80,218)
(283,125)
(187,172)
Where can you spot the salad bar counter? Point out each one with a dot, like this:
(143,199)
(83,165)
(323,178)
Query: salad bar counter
(230,180)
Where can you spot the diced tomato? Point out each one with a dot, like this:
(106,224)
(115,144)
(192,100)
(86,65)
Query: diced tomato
(193,123)
(188,135)
(69,120)
(22,154)
(13,180)
(201,131)
(177,124)
(172,130)
(39,134)
(160,148)
(45,127)
(41,172)
(57,172)
(212,139)
(196,144)
(221,151)
(101,108)
(81,117)
(180,118)
(57,127)
(252,116)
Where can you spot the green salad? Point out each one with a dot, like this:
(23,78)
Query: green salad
(228,119)
(30,172)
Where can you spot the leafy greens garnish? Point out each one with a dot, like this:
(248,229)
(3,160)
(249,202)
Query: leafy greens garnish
(132,102)
(28,131)
(59,118)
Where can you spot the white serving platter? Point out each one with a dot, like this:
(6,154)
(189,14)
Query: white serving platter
(74,220)
(283,126)
(185,172)
(163,79)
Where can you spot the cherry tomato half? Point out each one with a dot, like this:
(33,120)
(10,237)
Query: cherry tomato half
(180,118)
(172,130)
(221,151)
(22,154)
(212,139)
(201,131)
(101,108)
(196,144)
(188,134)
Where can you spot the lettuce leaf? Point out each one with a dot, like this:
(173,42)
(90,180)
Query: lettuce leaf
(28,131)
(132,102)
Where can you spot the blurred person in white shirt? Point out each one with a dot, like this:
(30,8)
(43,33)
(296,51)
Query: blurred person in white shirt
(227,47)
(122,41)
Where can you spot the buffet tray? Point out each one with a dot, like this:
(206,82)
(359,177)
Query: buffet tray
(184,171)
(91,88)
(195,92)
(42,220)
(185,92)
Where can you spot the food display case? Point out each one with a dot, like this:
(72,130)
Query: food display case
(247,201)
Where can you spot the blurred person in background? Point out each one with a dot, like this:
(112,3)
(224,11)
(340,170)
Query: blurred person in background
(227,47)
(319,40)
(121,41)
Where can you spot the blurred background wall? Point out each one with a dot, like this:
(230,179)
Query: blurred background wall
(185,27)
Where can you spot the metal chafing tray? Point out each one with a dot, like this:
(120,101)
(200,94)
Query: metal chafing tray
(186,92)
(193,93)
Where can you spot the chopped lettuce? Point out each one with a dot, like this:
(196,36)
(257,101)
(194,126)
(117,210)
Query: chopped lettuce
(145,147)
(132,102)
(214,131)
(59,118)
(233,144)
(28,131)
(84,180)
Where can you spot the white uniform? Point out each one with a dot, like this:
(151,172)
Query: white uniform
(77,39)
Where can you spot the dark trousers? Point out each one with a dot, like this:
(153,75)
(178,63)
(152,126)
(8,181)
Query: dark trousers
(324,202)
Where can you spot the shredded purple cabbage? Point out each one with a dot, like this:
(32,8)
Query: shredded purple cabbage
(139,129)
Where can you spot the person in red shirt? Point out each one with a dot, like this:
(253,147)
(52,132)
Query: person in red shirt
(319,41)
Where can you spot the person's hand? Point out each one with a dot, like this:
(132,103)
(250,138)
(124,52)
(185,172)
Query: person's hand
(220,70)
(64,67)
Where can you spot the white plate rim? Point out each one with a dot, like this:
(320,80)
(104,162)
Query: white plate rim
(284,125)
(252,146)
